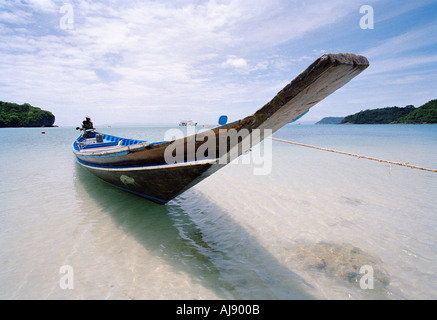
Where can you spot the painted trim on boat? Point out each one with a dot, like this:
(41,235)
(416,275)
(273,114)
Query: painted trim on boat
(108,155)
(150,167)
(109,151)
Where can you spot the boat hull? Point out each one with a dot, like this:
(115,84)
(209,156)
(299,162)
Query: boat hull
(159,184)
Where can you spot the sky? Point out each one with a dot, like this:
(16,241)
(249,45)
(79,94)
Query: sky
(153,62)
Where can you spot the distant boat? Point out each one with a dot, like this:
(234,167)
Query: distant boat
(140,166)
(185,123)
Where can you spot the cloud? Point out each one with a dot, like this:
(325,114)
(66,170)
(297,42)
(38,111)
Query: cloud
(234,62)
(161,59)
(409,41)
(43,5)
(388,66)
(18,16)
(393,11)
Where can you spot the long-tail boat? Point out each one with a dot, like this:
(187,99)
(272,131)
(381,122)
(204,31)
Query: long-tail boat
(160,171)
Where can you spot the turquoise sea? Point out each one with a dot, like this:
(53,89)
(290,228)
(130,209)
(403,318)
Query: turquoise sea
(320,225)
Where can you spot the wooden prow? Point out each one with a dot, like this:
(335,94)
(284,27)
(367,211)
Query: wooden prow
(326,75)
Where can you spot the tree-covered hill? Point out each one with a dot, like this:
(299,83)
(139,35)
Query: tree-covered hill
(425,114)
(24,115)
(379,116)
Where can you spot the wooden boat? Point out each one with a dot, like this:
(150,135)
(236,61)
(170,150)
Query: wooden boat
(143,167)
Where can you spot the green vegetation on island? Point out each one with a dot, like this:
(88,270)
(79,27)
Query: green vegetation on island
(24,115)
(391,115)
(379,116)
(425,114)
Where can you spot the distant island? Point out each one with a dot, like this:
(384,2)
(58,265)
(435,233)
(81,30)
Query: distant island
(24,115)
(331,120)
(391,115)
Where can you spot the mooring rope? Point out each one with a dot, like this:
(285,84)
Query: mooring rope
(406,164)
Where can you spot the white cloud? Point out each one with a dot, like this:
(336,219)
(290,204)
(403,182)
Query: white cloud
(161,59)
(411,40)
(235,62)
(43,5)
(393,11)
(388,66)
(18,16)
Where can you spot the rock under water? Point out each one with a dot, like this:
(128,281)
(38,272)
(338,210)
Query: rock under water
(342,262)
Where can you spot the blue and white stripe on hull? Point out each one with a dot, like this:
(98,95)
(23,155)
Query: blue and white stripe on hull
(148,167)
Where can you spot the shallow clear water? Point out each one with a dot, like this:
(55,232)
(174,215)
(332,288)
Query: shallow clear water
(301,232)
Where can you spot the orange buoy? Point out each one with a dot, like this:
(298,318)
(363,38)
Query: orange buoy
(43,132)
